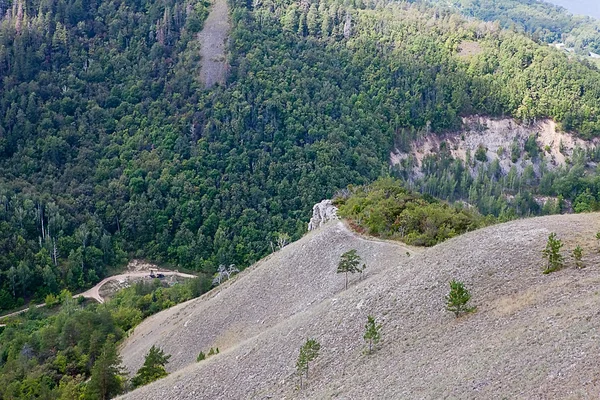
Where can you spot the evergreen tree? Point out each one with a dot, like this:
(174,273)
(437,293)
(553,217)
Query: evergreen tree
(554,260)
(308,352)
(107,374)
(457,299)
(350,262)
(372,332)
(578,255)
(153,368)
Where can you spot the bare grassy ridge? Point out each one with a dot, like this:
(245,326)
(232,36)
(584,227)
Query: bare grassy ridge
(533,336)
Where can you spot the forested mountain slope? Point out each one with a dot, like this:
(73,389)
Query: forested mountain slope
(540,19)
(582,7)
(108,145)
(533,335)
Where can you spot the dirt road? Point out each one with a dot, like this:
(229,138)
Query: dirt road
(212,45)
(94,293)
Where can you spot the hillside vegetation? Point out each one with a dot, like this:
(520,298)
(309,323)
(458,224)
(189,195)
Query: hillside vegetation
(109,147)
(51,353)
(532,335)
(504,169)
(539,19)
(388,210)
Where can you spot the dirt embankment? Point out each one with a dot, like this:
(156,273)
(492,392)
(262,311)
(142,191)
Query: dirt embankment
(533,336)
(213,38)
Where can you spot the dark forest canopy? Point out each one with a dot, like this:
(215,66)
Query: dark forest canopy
(109,149)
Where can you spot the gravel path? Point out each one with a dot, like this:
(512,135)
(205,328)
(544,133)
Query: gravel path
(94,293)
(533,336)
(212,39)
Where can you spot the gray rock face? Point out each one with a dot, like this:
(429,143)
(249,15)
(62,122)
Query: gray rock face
(322,212)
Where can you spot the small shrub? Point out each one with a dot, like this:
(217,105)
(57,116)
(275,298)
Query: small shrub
(457,299)
(554,260)
(201,357)
(515,151)
(51,300)
(308,352)
(481,154)
(578,255)
(372,332)
(531,147)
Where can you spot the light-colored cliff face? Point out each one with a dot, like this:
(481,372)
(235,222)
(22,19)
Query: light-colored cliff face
(497,136)
(323,212)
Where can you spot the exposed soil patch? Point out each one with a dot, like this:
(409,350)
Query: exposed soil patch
(469,48)
(213,39)
(496,136)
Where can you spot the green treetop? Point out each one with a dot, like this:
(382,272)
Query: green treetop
(153,368)
(457,299)
(372,332)
(350,262)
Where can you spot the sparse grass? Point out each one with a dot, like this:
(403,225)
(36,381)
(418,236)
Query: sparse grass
(522,316)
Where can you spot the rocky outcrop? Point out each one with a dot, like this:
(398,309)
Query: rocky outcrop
(322,212)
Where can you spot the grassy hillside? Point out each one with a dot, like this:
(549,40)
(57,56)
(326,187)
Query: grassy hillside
(532,335)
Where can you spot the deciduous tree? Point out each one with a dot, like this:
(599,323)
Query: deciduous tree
(372,332)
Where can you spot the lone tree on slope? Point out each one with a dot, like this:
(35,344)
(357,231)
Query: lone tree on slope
(224,273)
(372,332)
(308,352)
(457,299)
(153,368)
(578,255)
(350,262)
(554,260)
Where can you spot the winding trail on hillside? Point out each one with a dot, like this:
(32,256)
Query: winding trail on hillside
(94,293)
(213,37)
